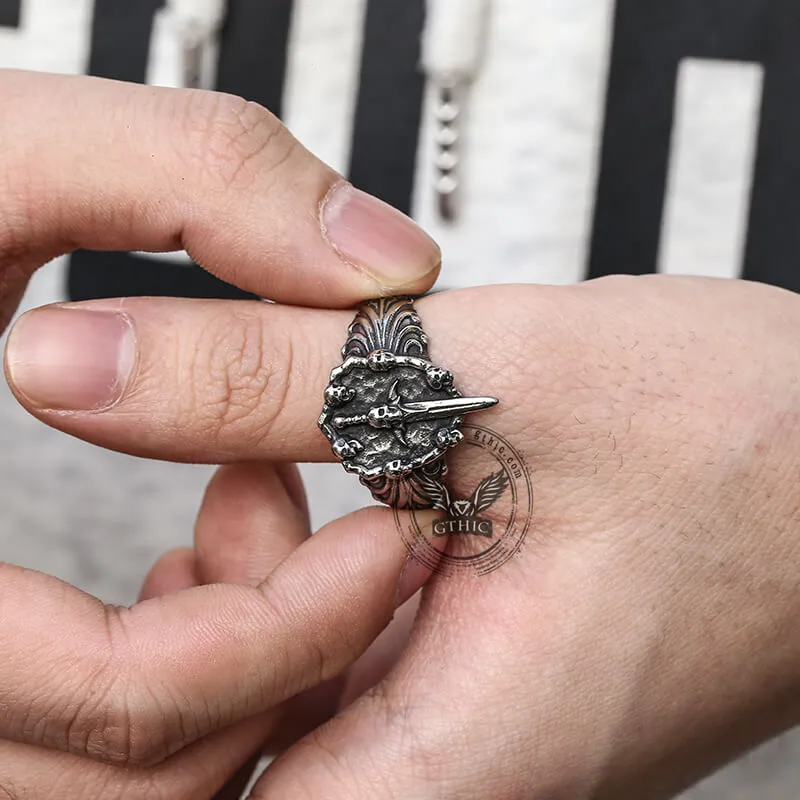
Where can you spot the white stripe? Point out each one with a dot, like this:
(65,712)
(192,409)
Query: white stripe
(322,77)
(168,53)
(165,67)
(711,168)
(53,37)
(530,147)
(455,34)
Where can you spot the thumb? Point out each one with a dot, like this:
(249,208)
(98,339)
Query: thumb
(144,168)
(135,678)
(371,748)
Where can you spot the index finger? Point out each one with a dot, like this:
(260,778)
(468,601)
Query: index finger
(215,381)
(96,164)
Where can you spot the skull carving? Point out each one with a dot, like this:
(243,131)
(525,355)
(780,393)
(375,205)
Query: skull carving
(347,449)
(385,417)
(339,395)
(438,378)
(381,361)
(396,469)
(448,437)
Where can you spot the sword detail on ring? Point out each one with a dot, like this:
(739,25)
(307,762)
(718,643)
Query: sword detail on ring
(397,413)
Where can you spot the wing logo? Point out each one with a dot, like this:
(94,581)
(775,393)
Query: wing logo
(474,530)
(463,515)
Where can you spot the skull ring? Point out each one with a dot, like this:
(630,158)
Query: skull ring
(390,414)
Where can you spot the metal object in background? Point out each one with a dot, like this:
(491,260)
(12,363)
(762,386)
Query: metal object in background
(390,413)
(449,107)
(186,36)
(452,52)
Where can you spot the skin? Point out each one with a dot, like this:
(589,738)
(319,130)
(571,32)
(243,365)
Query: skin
(646,632)
(171,697)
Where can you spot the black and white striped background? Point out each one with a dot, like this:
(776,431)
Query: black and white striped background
(689,162)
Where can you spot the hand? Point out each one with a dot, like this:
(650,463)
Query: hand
(644,634)
(144,691)
(253,517)
(147,690)
(97,164)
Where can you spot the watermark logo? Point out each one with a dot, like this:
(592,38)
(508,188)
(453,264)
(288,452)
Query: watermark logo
(463,515)
(479,522)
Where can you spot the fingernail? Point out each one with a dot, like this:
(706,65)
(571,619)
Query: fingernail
(419,565)
(414,576)
(376,238)
(69,359)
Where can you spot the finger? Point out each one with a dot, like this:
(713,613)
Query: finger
(141,168)
(400,732)
(313,708)
(382,654)
(316,706)
(210,381)
(410,735)
(172,573)
(133,686)
(197,773)
(250,521)
(253,516)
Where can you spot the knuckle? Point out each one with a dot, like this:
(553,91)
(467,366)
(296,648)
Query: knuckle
(16,237)
(15,249)
(8,792)
(134,737)
(119,734)
(104,724)
(116,718)
(82,719)
(232,140)
(239,385)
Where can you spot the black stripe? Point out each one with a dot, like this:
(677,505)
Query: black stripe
(10,13)
(636,143)
(121,38)
(96,274)
(252,64)
(773,241)
(254,51)
(389,108)
(650,39)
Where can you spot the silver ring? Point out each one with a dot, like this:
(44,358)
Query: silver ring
(390,414)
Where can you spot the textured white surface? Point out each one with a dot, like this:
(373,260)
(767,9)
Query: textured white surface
(53,37)
(530,147)
(322,76)
(711,169)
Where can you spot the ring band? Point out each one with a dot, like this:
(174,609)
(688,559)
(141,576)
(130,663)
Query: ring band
(390,414)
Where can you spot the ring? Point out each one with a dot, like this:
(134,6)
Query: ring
(390,414)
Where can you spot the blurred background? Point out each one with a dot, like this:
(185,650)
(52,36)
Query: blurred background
(538,140)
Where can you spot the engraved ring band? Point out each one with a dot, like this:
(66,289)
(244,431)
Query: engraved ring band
(390,414)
